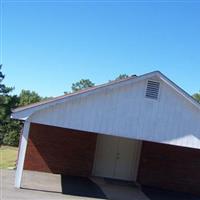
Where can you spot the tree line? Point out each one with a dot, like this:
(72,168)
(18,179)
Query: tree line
(10,129)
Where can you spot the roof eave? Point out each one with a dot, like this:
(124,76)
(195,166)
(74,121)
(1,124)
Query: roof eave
(27,111)
(178,89)
(23,114)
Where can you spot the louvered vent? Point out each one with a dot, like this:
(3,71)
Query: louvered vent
(152,90)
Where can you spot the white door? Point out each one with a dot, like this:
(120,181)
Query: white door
(116,157)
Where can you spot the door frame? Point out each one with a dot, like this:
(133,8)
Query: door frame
(137,158)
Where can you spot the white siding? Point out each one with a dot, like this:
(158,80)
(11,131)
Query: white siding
(125,111)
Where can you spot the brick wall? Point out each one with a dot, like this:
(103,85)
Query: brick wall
(58,150)
(170,167)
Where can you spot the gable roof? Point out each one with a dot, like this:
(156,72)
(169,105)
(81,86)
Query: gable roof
(55,99)
(23,113)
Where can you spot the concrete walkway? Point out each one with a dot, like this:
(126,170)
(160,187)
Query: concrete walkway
(44,186)
(120,192)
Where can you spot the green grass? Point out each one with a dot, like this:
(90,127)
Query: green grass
(8,157)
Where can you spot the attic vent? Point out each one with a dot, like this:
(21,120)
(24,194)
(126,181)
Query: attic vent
(152,90)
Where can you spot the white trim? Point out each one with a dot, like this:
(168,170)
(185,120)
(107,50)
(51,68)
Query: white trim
(139,150)
(24,112)
(21,156)
(179,90)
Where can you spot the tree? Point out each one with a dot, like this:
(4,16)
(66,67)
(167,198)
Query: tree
(82,84)
(9,128)
(13,127)
(12,132)
(122,76)
(7,102)
(4,98)
(3,89)
(197,96)
(27,97)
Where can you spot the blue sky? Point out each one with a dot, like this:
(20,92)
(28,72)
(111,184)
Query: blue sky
(46,46)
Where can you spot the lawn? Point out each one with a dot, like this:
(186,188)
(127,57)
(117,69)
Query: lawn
(8,157)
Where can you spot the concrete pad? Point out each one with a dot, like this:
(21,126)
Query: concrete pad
(45,186)
(8,192)
(160,194)
(41,181)
(120,192)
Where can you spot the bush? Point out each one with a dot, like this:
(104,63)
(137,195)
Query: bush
(11,138)
(10,133)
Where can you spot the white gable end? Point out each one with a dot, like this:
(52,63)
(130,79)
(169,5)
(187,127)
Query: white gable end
(126,111)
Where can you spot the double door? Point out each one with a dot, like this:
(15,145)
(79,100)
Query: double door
(116,157)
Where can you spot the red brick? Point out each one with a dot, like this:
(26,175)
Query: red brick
(59,150)
(170,167)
